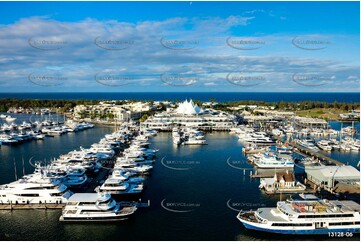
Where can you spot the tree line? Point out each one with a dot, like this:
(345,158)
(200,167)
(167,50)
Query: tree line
(60,105)
(66,105)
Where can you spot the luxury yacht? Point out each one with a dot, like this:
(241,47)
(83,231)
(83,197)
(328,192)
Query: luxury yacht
(139,161)
(284,150)
(117,186)
(260,138)
(309,145)
(10,119)
(34,189)
(8,139)
(305,217)
(324,145)
(194,140)
(102,150)
(131,167)
(64,162)
(128,177)
(95,207)
(71,177)
(177,139)
(273,161)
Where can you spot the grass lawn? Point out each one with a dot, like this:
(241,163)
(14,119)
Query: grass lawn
(324,113)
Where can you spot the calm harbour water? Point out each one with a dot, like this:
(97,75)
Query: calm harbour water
(206,186)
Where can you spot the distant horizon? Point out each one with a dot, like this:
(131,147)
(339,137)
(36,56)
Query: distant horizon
(202,96)
(180,92)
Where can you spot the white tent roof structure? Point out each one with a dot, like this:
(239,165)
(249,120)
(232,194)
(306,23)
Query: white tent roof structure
(188,108)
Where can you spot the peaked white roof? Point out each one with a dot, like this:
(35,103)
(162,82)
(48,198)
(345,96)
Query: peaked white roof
(188,108)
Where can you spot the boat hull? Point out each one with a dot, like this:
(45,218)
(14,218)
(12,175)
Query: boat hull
(94,219)
(252,226)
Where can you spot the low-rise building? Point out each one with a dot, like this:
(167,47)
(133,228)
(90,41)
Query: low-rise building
(188,114)
(105,111)
(329,176)
(305,122)
(283,181)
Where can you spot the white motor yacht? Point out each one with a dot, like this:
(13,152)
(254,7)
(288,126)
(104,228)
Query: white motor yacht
(272,161)
(324,145)
(117,186)
(95,207)
(305,217)
(34,189)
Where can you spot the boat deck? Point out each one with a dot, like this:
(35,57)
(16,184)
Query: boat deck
(266,213)
(249,216)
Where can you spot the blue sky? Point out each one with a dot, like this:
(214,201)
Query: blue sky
(179,46)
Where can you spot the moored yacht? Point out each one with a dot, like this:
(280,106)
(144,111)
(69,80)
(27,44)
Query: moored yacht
(309,145)
(117,186)
(260,138)
(284,150)
(95,207)
(273,161)
(193,140)
(305,217)
(34,189)
(324,145)
(10,119)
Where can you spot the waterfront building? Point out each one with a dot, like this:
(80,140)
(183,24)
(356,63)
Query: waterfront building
(283,181)
(139,106)
(328,176)
(305,122)
(188,114)
(118,112)
(349,117)
(257,119)
(275,114)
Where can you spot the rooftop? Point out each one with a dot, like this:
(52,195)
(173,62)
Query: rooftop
(188,108)
(335,171)
(287,176)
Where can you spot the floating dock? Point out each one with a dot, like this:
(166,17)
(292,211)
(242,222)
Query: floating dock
(262,175)
(307,152)
(30,206)
(291,191)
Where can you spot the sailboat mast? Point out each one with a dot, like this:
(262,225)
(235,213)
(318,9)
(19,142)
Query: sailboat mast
(16,173)
(23,167)
(341,132)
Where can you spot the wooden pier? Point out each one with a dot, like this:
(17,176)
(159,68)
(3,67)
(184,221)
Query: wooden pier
(307,152)
(290,191)
(264,175)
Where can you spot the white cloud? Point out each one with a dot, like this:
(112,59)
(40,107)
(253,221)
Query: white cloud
(80,59)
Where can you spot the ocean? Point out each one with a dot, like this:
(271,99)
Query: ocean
(201,96)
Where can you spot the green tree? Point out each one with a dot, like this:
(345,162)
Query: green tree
(144,117)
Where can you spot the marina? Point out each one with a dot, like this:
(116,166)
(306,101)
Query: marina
(116,174)
(180,121)
(36,128)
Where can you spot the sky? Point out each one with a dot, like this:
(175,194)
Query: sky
(179,47)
